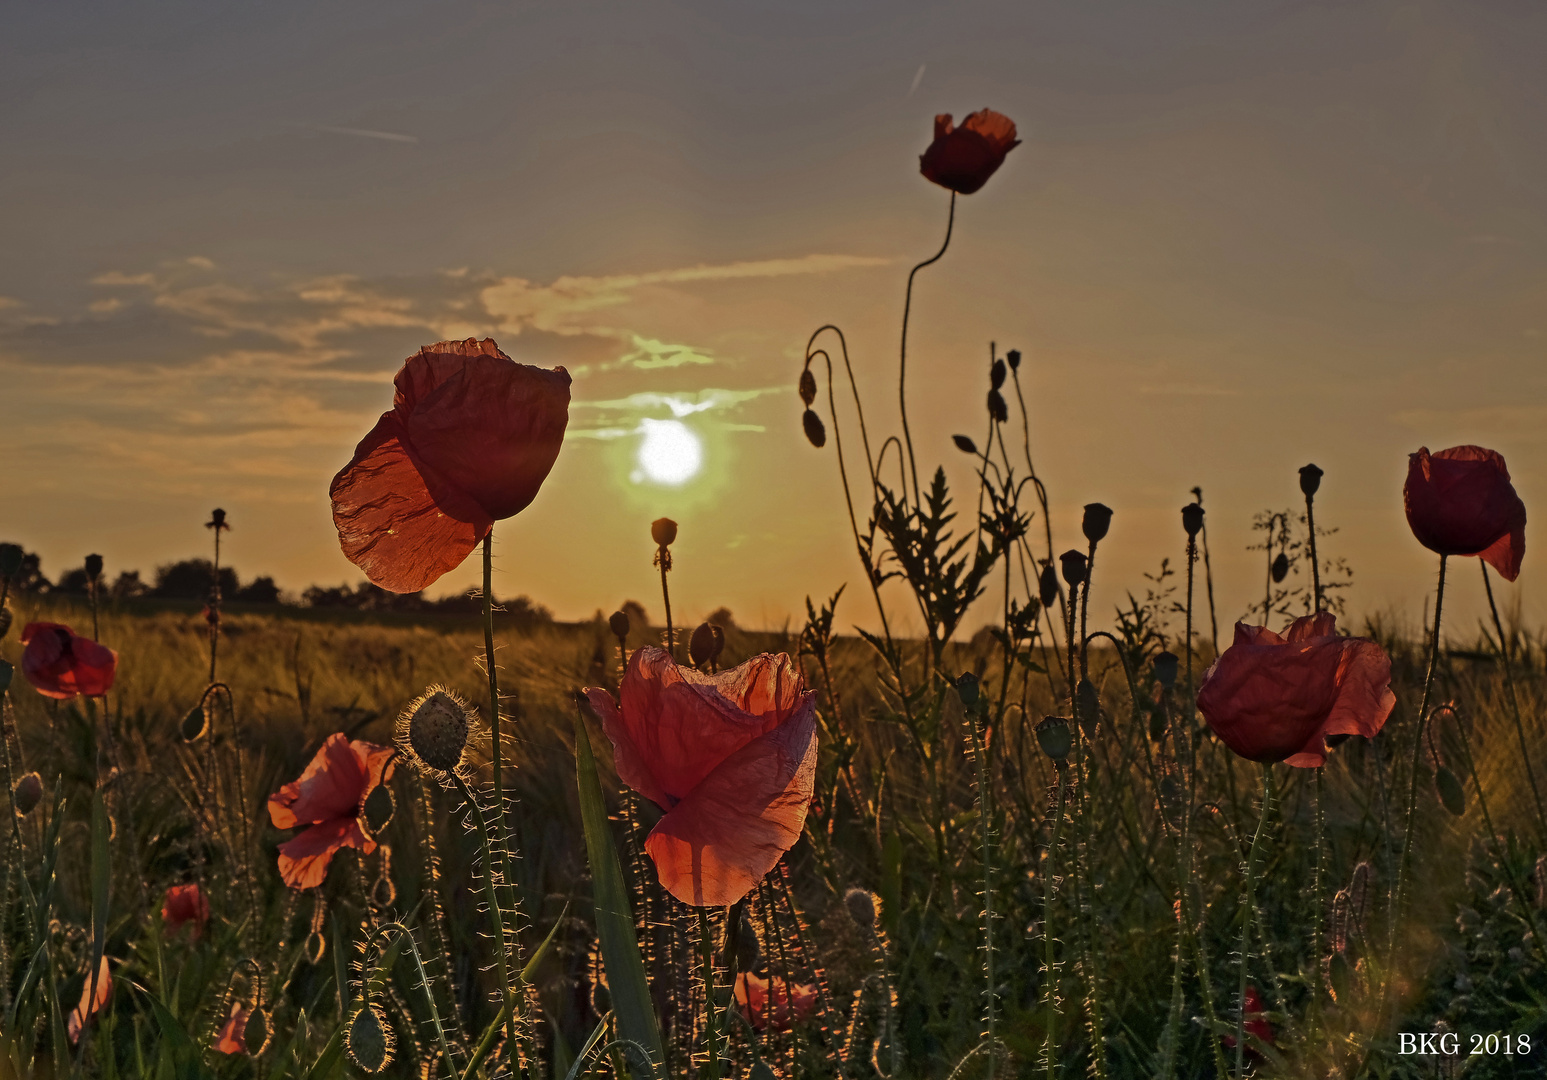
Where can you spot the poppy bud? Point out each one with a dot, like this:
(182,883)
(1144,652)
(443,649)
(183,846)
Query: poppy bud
(1451,793)
(27,794)
(1280,568)
(1073,563)
(437,728)
(377,812)
(1165,666)
(701,648)
(255,1033)
(217,521)
(663,531)
(316,948)
(996,374)
(370,1039)
(11,556)
(996,406)
(1054,737)
(816,432)
(5,625)
(1088,704)
(864,907)
(965,445)
(807,386)
(93,567)
(1014,356)
(1310,479)
(194,724)
(1047,586)
(618,623)
(1097,520)
(1192,518)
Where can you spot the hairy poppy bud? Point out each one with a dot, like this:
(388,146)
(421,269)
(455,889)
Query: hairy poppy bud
(618,623)
(816,431)
(1014,356)
(1097,520)
(965,445)
(1054,737)
(1047,586)
(1310,479)
(996,374)
(11,556)
(1192,518)
(93,566)
(1088,704)
(194,724)
(807,386)
(864,907)
(967,688)
(379,807)
(996,406)
(1451,793)
(1165,666)
(437,728)
(27,794)
(369,1039)
(1073,563)
(701,646)
(663,531)
(255,1033)
(747,950)
(1280,568)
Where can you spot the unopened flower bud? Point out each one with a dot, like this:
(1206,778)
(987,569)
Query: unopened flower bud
(996,375)
(1097,520)
(701,648)
(618,623)
(217,520)
(1047,586)
(93,567)
(965,445)
(1166,666)
(255,1033)
(1280,567)
(1192,518)
(663,531)
(807,386)
(996,406)
(1055,738)
(816,431)
(1310,479)
(194,724)
(369,1039)
(437,728)
(864,907)
(1073,563)
(377,812)
(748,952)
(1088,704)
(27,794)
(967,688)
(1014,357)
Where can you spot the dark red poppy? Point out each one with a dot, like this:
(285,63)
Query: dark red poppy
(62,664)
(329,797)
(185,904)
(1460,502)
(91,1003)
(232,1038)
(730,757)
(963,158)
(1272,698)
(470,438)
(1255,1022)
(773,1003)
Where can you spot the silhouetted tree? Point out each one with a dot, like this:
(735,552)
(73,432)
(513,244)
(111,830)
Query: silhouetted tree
(128,586)
(259,591)
(29,578)
(190,580)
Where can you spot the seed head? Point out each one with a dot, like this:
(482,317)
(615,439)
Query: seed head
(1055,738)
(705,645)
(1047,586)
(1073,563)
(965,445)
(1165,665)
(1014,357)
(370,1041)
(93,567)
(807,386)
(996,375)
(435,729)
(217,521)
(816,433)
(996,406)
(1097,520)
(864,907)
(1280,568)
(1310,479)
(663,531)
(27,794)
(618,623)
(1192,518)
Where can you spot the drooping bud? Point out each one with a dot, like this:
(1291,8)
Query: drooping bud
(1055,738)
(27,794)
(864,907)
(1073,564)
(1014,356)
(1451,793)
(1192,518)
(369,1039)
(996,375)
(663,531)
(1047,586)
(618,623)
(436,726)
(1165,666)
(816,431)
(1097,520)
(807,386)
(93,567)
(11,556)
(1342,917)
(377,812)
(1310,479)
(701,648)
(1088,702)
(255,1033)
(1280,568)
(996,406)
(748,952)
(194,724)
(965,445)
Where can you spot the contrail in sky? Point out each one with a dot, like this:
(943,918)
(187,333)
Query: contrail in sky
(367,133)
(918,77)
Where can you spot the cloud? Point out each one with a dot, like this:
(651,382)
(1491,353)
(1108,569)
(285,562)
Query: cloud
(1514,423)
(364,133)
(649,354)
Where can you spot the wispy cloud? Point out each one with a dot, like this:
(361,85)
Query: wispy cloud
(363,133)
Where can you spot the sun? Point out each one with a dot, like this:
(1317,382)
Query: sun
(669,453)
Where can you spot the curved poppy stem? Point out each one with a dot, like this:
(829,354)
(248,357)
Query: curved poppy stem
(1514,702)
(902,365)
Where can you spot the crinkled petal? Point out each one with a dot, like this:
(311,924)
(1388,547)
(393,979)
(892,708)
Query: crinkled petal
(304,859)
(61,664)
(332,786)
(232,1037)
(90,1004)
(997,128)
(715,845)
(399,520)
(1460,501)
(1506,553)
(963,160)
(631,764)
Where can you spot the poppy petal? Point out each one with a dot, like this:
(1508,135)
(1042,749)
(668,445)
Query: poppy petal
(304,859)
(715,845)
(632,766)
(331,787)
(232,1038)
(90,1004)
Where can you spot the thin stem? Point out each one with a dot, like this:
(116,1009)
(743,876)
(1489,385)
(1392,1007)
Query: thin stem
(1049,971)
(902,364)
(711,1021)
(1249,908)
(496,757)
(663,559)
(1208,582)
(1514,702)
(1310,528)
(214,626)
(1319,882)
(507,996)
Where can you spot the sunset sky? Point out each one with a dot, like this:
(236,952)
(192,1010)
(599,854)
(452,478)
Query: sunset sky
(1238,237)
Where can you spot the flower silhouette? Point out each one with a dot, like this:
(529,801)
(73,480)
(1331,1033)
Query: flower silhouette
(1460,502)
(185,904)
(469,440)
(328,796)
(1272,698)
(62,664)
(730,757)
(776,1004)
(963,158)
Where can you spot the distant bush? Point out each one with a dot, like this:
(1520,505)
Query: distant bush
(190,580)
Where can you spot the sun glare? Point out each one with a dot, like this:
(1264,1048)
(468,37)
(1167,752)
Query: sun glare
(669,453)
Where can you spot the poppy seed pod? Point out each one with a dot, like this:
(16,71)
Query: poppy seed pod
(701,646)
(437,724)
(967,688)
(11,556)
(369,1039)
(816,431)
(864,907)
(1073,564)
(807,386)
(1014,357)
(618,623)
(996,374)
(1165,666)
(1280,568)
(1047,586)
(1097,520)
(1054,737)
(93,567)
(27,794)
(996,406)
(1310,479)
(1192,518)
(663,531)
(217,521)
(965,445)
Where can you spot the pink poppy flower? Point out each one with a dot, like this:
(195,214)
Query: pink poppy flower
(61,664)
(90,1004)
(328,796)
(730,757)
(1460,502)
(1272,698)
(963,158)
(775,1004)
(185,904)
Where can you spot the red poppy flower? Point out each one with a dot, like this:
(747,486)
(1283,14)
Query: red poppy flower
(90,1004)
(1256,1022)
(730,757)
(61,664)
(328,797)
(1272,698)
(185,904)
(469,439)
(1460,502)
(777,1003)
(963,158)
(232,1038)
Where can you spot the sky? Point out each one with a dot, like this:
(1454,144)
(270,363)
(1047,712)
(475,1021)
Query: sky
(1237,237)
